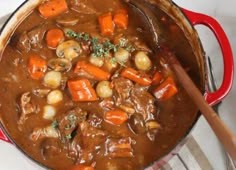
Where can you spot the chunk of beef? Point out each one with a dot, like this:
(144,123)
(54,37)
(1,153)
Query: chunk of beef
(107,104)
(26,105)
(132,98)
(92,137)
(122,91)
(45,132)
(32,39)
(143,102)
(26,108)
(122,88)
(75,146)
(81,134)
(36,36)
(119,148)
(94,120)
(49,148)
(69,123)
(82,6)
(85,157)
(86,143)
(41,92)
(23,43)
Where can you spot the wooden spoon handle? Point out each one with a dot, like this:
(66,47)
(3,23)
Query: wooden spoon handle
(224,134)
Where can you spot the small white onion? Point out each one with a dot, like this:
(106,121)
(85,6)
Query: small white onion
(122,55)
(142,61)
(54,97)
(52,79)
(49,112)
(103,89)
(97,61)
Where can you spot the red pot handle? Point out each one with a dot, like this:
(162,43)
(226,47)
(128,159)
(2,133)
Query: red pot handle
(197,18)
(3,136)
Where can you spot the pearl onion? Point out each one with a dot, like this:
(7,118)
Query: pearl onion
(54,97)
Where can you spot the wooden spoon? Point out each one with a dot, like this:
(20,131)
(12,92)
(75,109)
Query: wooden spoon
(224,134)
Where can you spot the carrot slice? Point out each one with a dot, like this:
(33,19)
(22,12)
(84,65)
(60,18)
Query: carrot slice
(37,67)
(54,37)
(166,89)
(106,24)
(81,167)
(140,78)
(121,18)
(96,72)
(116,117)
(52,8)
(157,78)
(81,90)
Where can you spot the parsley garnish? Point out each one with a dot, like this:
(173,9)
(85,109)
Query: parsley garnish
(101,49)
(69,136)
(72,119)
(54,124)
(86,37)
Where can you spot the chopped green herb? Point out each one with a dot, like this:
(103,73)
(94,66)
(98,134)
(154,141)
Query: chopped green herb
(71,33)
(86,37)
(94,40)
(78,35)
(69,136)
(54,124)
(102,49)
(72,121)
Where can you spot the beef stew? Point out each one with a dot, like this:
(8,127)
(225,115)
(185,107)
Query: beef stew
(82,88)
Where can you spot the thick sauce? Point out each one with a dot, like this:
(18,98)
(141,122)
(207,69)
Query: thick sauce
(46,120)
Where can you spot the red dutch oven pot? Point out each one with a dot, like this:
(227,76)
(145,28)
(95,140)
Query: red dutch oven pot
(186,20)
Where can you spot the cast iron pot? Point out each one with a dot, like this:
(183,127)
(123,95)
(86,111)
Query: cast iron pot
(186,20)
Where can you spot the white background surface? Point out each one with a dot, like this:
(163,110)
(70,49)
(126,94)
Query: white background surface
(225,13)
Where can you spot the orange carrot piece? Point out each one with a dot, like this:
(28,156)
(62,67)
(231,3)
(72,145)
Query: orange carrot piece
(81,90)
(157,78)
(166,89)
(106,24)
(52,8)
(140,78)
(81,167)
(121,18)
(54,37)
(116,117)
(96,72)
(37,67)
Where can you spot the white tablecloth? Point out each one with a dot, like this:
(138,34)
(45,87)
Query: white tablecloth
(225,13)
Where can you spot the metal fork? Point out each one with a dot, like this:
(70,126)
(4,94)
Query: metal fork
(230,163)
